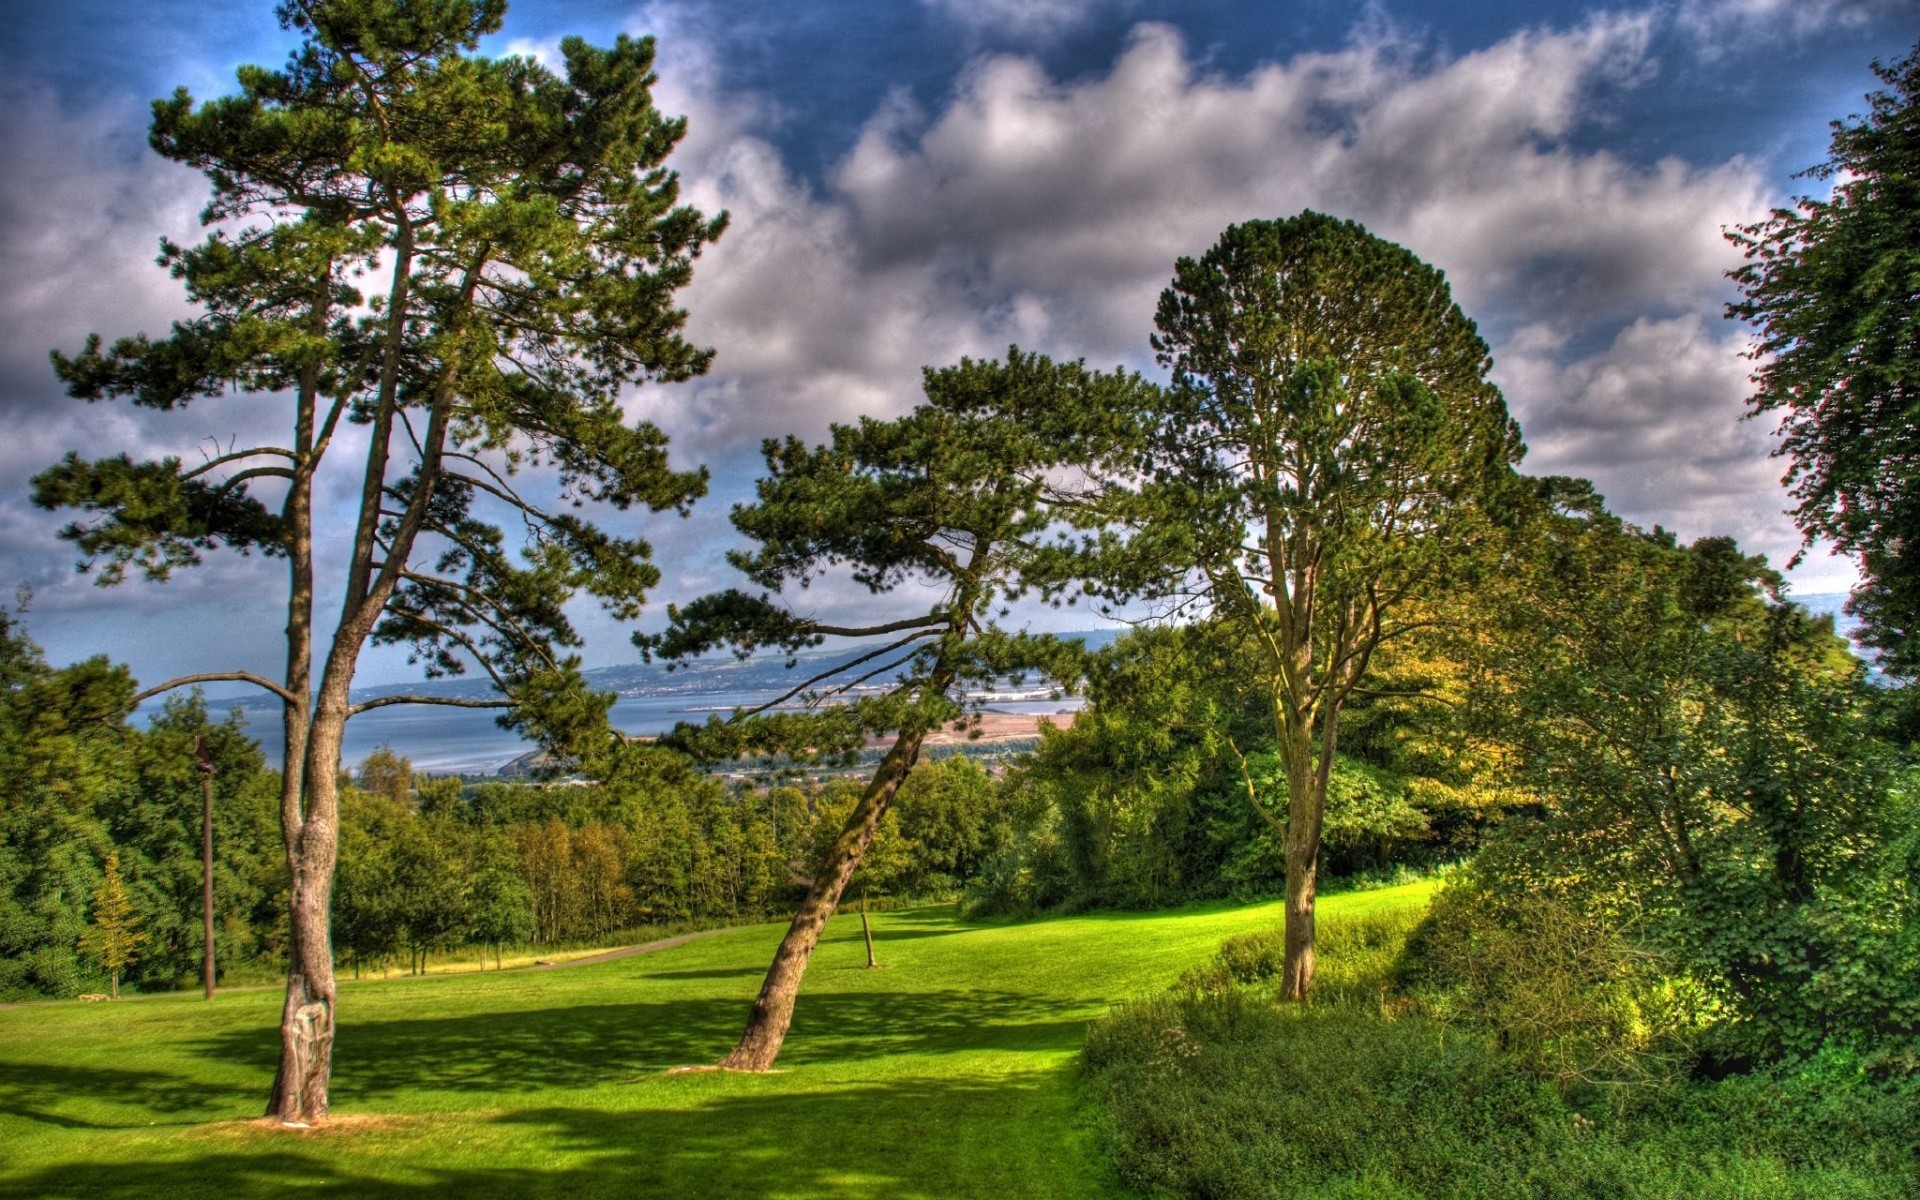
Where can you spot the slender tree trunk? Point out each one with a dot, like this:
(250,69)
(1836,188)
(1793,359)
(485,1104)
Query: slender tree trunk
(866,931)
(206,857)
(773,1009)
(113,983)
(1306,806)
(307,1020)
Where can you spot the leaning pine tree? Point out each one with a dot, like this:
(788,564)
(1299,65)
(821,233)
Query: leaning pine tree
(960,501)
(519,246)
(1320,471)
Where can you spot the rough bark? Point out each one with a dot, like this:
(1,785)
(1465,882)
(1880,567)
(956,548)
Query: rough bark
(1305,804)
(300,1085)
(772,1012)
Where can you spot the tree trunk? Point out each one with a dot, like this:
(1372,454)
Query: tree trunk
(773,1009)
(299,1094)
(1306,807)
(866,931)
(206,858)
(113,983)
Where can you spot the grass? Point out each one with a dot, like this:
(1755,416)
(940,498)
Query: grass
(949,1072)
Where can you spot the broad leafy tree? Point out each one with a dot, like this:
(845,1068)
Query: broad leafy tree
(467,258)
(1834,286)
(1324,461)
(1708,778)
(957,503)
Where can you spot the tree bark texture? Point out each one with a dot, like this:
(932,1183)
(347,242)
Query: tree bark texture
(300,1085)
(1306,808)
(773,1009)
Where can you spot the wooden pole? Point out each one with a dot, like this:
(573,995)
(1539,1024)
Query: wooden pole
(866,929)
(206,854)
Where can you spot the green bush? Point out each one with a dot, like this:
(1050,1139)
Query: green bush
(1562,992)
(1216,1091)
(1353,955)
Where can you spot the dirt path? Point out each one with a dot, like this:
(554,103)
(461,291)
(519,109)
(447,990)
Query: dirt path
(630,951)
(588,960)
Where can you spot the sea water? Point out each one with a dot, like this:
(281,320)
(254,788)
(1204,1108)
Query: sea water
(442,740)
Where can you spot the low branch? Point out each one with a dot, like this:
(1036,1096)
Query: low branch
(217,677)
(832,671)
(1253,794)
(236,456)
(447,701)
(931,619)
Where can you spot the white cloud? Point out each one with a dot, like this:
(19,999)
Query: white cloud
(1718,25)
(1048,212)
(1051,212)
(1024,19)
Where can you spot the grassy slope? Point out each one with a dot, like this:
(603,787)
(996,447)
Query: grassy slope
(949,1072)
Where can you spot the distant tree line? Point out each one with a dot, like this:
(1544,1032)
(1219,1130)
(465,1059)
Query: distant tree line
(428,866)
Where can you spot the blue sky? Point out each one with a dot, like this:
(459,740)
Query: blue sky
(915,180)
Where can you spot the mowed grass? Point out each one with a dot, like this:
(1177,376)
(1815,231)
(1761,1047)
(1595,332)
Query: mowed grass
(950,1071)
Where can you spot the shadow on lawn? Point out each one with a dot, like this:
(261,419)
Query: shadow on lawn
(840,1143)
(587,1045)
(35,1091)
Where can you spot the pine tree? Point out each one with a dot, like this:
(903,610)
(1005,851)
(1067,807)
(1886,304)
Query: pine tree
(470,259)
(1322,466)
(960,499)
(113,938)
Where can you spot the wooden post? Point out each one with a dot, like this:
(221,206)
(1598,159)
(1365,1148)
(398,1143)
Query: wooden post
(206,854)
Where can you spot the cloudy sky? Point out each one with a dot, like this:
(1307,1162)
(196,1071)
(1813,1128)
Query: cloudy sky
(915,180)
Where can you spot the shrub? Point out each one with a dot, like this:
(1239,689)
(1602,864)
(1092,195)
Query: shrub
(1215,1091)
(1565,993)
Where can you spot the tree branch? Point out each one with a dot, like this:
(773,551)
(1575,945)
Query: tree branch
(236,456)
(217,677)
(448,701)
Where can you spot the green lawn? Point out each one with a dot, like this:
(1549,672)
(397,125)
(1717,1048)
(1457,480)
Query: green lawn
(950,1071)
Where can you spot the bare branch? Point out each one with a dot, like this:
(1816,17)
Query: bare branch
(236,456)
(448,701)
(217,677)
(931,619)
(832,671)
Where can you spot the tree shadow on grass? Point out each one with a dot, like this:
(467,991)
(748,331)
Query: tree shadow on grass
(912,1139)
(36,1091)
(578,1046)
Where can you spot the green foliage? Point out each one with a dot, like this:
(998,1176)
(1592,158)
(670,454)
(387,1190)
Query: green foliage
(113,937)
(1214,1090)
(1831,285)
(1705,757)
(1564,992)
(1167,787)
(83,783)
(1360,952)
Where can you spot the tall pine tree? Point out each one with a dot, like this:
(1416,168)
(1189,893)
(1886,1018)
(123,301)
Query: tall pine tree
(470,258)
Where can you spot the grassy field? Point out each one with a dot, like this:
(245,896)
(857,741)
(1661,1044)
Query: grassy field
(950,1071)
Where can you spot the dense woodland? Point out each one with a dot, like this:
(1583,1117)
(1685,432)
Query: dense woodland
(1677,816)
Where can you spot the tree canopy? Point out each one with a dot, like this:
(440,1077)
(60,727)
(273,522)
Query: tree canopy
(1834,287)
(1327,451)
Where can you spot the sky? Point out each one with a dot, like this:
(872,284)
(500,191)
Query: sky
(911,181)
